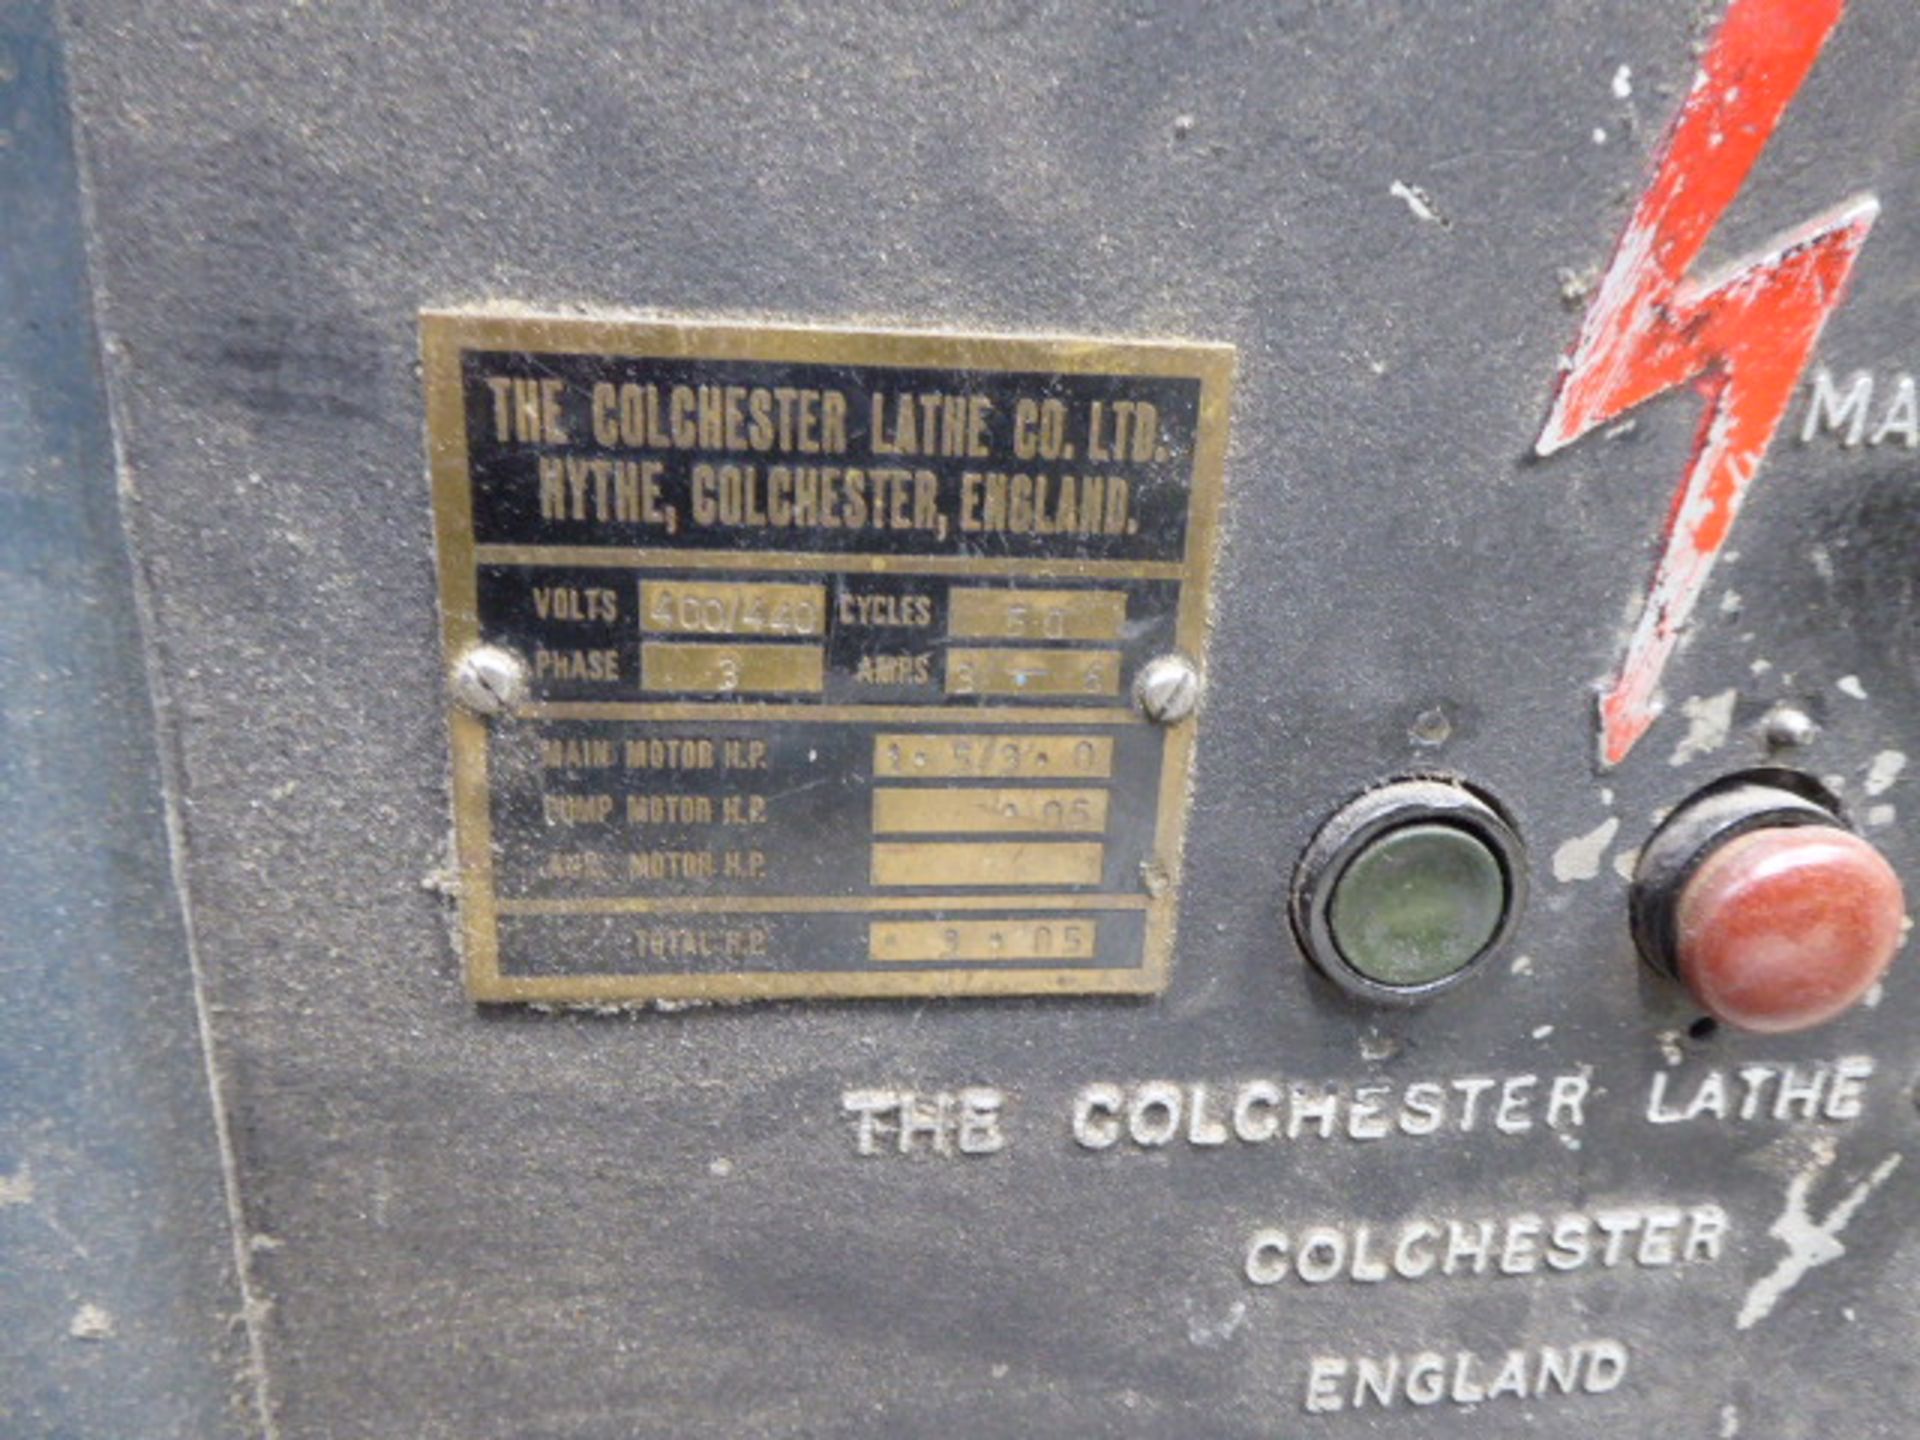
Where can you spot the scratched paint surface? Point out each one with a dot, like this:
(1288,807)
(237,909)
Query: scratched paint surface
(1740,335)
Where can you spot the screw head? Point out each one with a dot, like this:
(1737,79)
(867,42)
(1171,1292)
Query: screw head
(1787,727)
(1431,728)
(1167,689)
(490,680)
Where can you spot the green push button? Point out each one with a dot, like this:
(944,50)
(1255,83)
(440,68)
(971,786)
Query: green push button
(1418,904)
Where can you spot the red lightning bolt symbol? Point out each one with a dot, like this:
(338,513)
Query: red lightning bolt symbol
(1740,336)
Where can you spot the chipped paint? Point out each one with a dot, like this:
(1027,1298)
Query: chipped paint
(1884,770)
(1810,1243)
(1575,285)
(1741,336)
(1579,858)
(1850,685)
(1709,722)
(1418,201)
(17,1188)
(1623,83)
(1211,1334)
(1626,862)
(1879,817)
(91,1322)
(1376,1047)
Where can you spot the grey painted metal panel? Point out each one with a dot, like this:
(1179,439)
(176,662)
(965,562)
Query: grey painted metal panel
(117,1304)
(524,1225)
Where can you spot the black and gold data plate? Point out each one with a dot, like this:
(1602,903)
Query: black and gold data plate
(830,640)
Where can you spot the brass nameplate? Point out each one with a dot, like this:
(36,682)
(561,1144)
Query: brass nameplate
(829,639)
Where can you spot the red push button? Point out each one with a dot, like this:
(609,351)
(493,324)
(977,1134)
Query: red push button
(1785,927)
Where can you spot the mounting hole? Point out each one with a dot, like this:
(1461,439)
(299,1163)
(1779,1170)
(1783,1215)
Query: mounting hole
(1705,1028)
